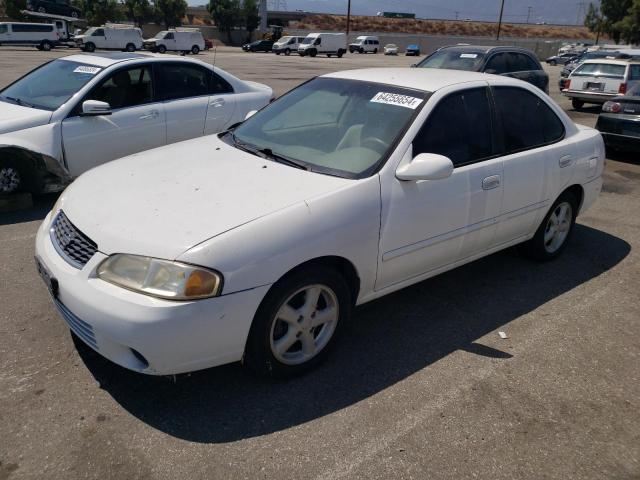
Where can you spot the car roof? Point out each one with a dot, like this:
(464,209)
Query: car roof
(105,60)
(426,79)
(486,48)
(607,61)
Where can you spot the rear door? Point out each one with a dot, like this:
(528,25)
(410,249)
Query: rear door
(222,105)
(184,89)
(136,123)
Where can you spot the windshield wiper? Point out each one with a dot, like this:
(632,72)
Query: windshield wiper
(267,153)
(19,102)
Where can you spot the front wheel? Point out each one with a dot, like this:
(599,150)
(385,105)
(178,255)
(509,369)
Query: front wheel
(12,177)
(298,322)
(554,231)
(553,63)
(577,104)
(162,49)
(89,47)
(313,53)
(46,46)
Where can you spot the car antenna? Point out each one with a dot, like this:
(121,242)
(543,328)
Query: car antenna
(215,50)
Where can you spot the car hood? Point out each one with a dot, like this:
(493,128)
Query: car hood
(165,201)
(16,117)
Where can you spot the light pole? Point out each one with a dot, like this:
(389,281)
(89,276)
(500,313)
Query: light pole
(348,17)
(500,20)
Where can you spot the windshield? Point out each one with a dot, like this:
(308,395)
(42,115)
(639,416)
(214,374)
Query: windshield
(284,39)
(335,126)
(51,85)
(161,34)
(600,70)
(453,59)
(90,31)
(308,40)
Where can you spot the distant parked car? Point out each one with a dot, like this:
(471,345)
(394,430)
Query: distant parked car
(44,36)
(56,7)
(619,121)
(80,111)
(208,44)
(513,62)
(110,37)
(561,59)
(412,50)
(391,49)
(258,46)
(187,40)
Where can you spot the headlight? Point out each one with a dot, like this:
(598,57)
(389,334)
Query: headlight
(160,278)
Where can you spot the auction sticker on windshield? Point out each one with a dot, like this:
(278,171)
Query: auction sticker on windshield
(86,69)
(468,55)
(397,99)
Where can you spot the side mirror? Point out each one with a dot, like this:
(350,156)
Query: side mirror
(426,166)
(94,108)
(414,65)
(250,114)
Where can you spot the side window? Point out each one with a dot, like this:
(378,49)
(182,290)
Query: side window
(169,36)
(98,33)
(219,85)
(634,72)
(318,41)
(459,128)
(526,120)
(530,62)
(517,62)
(182,81)
(497,63)
(125,88)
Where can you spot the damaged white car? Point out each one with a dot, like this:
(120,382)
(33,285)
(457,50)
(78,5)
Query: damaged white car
(80,111)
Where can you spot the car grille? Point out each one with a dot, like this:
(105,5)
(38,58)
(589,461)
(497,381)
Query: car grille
(81,328)
(74,246)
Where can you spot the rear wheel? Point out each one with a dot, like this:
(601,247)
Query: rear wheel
(42,10)
(361,50)
(46,45)
(130,47)
(554,231)
(297,322)
(162,49)
(90,47)
(340,53)
(577,104)
(195,49)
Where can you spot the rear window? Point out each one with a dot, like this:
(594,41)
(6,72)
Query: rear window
(454,59)
(600,69)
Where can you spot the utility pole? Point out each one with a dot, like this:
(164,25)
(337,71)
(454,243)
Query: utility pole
(529,13)
(457,13)
(348,17)
(500,20)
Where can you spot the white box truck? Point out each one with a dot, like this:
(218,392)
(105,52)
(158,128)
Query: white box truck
(44,36)
(110,36)
(187,40)
(323,44)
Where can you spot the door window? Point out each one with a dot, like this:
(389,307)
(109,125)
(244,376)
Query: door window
(169,36)
(459,128)
(498,64)
(98,32)
(634,72)
(125,88)
(526,120)
(219,85)
(183,81)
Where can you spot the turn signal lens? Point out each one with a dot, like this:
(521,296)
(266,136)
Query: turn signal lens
(567,84)
(160,278)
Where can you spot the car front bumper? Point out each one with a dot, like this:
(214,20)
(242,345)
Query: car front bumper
(142,333)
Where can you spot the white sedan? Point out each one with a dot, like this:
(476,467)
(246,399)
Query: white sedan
(391,49)
(257,243)
(80,111)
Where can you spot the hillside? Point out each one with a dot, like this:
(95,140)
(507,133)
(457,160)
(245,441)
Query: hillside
(439,27)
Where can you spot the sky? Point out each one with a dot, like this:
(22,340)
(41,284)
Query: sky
(567,12)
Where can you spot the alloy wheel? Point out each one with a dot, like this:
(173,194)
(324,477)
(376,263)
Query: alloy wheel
(9,180)
(558,227)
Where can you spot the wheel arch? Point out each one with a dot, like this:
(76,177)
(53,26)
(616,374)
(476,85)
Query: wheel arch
(577,190)
(43,169)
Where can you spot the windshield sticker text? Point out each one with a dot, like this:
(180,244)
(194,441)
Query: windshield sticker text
(396,99)
(468,55)
(85,69)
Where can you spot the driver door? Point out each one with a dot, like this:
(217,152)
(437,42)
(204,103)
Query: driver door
(137,121)
(430,224)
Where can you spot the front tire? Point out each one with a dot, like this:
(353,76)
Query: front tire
(313,53)
(555,230)
(162,49)
(553,63)
(90,47)
(577,104)
(297,322)
(12,177)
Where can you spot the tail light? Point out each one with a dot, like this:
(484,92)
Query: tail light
(612,107)
(567,83)
(623,88)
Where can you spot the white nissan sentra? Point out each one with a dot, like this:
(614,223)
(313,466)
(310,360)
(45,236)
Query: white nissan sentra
(256,244)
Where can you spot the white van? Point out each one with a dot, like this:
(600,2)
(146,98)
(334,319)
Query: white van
(365,44)
(110,37)
(287,45)
(323,43)
(44,36)
(178,40)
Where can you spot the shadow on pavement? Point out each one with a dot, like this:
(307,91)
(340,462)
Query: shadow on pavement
(41,206)
(388,340)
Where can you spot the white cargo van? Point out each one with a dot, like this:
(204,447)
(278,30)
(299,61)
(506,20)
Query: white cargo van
(324,44)
(44,36)
(287,45)
(110,37)
(365,44)
(179,40)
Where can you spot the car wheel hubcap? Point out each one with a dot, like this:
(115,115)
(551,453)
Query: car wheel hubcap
(304,324)
(558,227)
(9,180)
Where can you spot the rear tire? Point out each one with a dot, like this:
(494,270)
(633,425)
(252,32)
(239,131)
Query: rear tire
(555,230)
(195,49)
(577,104)
(340,53)
(553,63)
(130,47)
(283,341)
(46,45)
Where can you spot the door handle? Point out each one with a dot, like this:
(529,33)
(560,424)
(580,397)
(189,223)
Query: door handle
(218,102)
(565,161)
(489,183)
(151,114)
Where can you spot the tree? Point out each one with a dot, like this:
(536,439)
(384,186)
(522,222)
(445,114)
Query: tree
(630,25)
(593,21)
(250,15)
(139,11)
(99,12)
(227,15)
(12,8)
(171,12)
(613,13)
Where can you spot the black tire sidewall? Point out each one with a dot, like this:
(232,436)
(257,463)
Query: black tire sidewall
(130,47)
(258,356)
(195,50)
(90,47)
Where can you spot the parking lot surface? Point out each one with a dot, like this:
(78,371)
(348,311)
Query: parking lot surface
(421,386)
